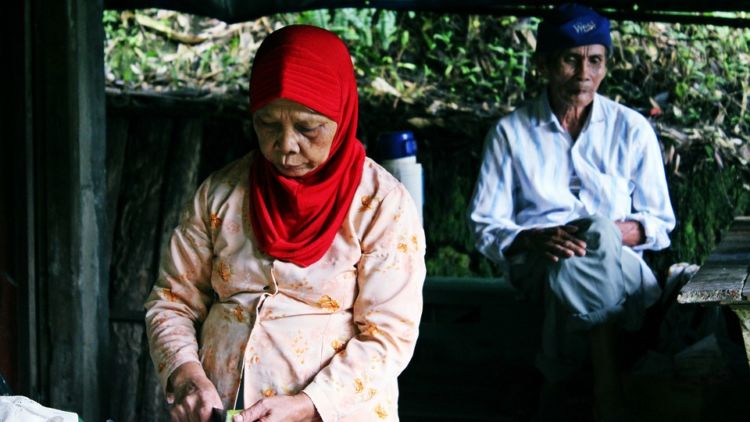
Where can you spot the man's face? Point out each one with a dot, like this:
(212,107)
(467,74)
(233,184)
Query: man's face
(575,74)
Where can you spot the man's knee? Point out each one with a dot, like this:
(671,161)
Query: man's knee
(593,282)
(589,276)
(600,234)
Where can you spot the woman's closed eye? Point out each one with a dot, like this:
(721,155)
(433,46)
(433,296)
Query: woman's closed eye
(307,128)
(266,123)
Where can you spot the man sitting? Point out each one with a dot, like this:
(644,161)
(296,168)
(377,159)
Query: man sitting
(570,192)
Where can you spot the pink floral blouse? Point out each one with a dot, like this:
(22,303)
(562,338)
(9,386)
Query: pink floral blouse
(341,330)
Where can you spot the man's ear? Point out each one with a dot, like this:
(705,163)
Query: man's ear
(541,65)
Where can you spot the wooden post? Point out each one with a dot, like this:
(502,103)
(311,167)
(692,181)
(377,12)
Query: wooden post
(724,277)
(72,254)
(16,342)
(743,314)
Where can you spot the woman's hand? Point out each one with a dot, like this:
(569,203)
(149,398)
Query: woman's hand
(191,394)
(297,408)
(554,243)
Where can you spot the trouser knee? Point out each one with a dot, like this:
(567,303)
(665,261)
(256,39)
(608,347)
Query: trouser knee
(600,234)
(593,282)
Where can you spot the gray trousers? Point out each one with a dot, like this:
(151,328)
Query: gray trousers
(605,285)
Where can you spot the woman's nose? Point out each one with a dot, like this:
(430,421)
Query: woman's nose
(287,142)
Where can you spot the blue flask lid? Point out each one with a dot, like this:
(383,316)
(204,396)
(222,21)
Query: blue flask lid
(399,144)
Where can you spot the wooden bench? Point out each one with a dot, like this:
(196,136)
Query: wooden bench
(724,278)
(474,357)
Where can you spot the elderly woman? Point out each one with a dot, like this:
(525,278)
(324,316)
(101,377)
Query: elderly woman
(292,286)
(571,191)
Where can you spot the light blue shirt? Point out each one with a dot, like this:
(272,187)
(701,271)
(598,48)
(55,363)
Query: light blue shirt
(525,177)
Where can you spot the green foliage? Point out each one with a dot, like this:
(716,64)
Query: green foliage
(159,50)
(454,60)
(123,47)
(702,70)
(706,198)
(448,261)
(447,77)
(693,83)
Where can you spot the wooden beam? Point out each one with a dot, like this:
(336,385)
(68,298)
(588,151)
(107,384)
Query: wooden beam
(187,103)
(17,176)
(70,223)
(722,278)
(655,10)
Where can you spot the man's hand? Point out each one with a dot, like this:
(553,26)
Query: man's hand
(191,394)
(554,243)
(297,408)
(632,232)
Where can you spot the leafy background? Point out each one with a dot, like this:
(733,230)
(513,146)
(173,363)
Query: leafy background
(447,77)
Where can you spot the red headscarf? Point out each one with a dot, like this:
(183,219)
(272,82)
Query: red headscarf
(296,218)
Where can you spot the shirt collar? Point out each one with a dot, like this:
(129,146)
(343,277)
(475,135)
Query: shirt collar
(545,116)
(597,110)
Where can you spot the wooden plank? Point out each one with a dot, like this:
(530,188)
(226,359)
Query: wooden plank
(154,406)
(468,290)
(494,340)
(743,314)
(180,104)
(16,334)
(181,175)
(715,283)
(134,252)
(117,140)
(123,390)
(722,279)
(224,140)
(134,257)
(233,11)
(67,62)
(473,330)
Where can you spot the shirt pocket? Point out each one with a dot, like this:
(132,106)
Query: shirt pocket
(616,191)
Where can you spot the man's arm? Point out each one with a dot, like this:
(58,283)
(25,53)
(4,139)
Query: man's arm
(491,210)
(632,232)
(651,207)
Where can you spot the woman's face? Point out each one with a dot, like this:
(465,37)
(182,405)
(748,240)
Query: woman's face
(294,138)
(575,74)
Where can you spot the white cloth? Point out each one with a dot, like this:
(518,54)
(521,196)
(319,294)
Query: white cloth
(524,181)
(23,409)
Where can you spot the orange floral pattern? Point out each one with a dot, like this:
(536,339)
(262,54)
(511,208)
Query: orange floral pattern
(381,412)
(329,304)
(323,330)
(215,221)
(269,392)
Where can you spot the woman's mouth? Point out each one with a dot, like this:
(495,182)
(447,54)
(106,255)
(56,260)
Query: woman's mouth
(291,169)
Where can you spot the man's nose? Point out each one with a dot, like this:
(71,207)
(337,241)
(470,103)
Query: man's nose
(583,70)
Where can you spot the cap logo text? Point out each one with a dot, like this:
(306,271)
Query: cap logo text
(582,28)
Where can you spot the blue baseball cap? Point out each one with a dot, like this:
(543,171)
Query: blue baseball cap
(572,25)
